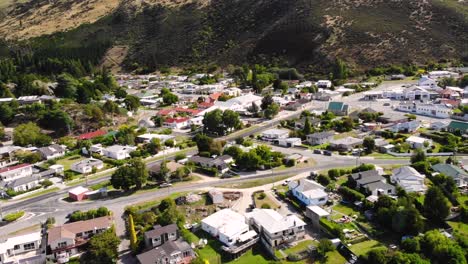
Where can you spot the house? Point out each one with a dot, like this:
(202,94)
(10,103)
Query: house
(87,165)
(289,142)
(442,74)
(7,157)
(439,125)
(459,175)
(118,152)
(15,172)
(22,184)
(308,192)
(146,123)
(91,135)
(172,166)
(243,102)
(275,229)
(427,82)
(146,138)
(176,123)
(314,122)
(372,183)
(417,142)
(226,225)
(26,248)
(216,196)
(171,252)
(275,134)
(409,126)
(346,144)
(315,213)
(409,179)
(455,126)
(433,110)
(78,193)
(320,138)
(52,151)
(338,108)
(221,163)
(160,235)
(380,144)
(70,239)
(324,84)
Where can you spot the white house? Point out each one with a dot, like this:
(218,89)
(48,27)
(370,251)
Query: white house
(87,165)
(290,142)
(226,225)
(276,229)
(240,103)
(233,91)
(308,192)
(146,138)
(176,123)
(439,125)
(409,126)
(275,134)
(442,74)
(15,172)
(417,142)
(25,248)
(434,110)
(409,179)
(427,82)
(324,84)
(118,152)
(22,184)
(51,152)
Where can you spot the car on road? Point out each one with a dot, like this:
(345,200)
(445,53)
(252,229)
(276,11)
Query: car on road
(317,151)
(386,104)
(165,185)
(327,153)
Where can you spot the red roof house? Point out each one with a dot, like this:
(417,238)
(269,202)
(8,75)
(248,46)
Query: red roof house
(92,135)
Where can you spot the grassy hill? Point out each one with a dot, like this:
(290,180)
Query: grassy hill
(308,34)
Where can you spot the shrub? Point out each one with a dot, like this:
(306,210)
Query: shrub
(266,206)
(46,183)
(261,196)
(180,156)
(350,194)
(13,216)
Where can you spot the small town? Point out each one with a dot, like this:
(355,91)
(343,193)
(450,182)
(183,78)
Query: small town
(233,132)
(210,168)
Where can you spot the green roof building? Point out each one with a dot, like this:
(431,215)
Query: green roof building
(458,126)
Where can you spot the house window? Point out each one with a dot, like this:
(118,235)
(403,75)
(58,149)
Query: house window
(62,244)
(29,246)
(16,247)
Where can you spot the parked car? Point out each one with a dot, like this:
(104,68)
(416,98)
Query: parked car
(327,153)
(386,104)
(317,151)
(165,185)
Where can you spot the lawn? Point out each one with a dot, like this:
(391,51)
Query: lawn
(254,183)
(363,247)
(346,134)
(301,246)
(334,257)
(385,156)
(459,227)
(255,255)
(346,210)
(266,201)
(39,193)
(68,161)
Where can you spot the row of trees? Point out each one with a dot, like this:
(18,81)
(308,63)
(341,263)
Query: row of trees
(259,157)
(221,123)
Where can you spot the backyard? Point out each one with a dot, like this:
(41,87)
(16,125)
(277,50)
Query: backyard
(263,200)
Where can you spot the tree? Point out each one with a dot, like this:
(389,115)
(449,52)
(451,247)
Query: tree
(30,134)
(267,101)
(369,144)
(2,132)
(181,173)
(411,245)
(132,102)
(272,111)
(436,205)
(102,249)
(231,120)
(170,98)
(213,122)
(57,120)
(324,246)
(376,256)
(139,172)
(7,113)
(307,130)
(340,71)
(120,93)
(132,233)
(66,86)
(418,156)
(323,179)
(121,178)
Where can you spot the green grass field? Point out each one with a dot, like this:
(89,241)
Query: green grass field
(364,247)
(68,161)
(255,183)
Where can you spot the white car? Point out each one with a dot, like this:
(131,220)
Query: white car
(165,185)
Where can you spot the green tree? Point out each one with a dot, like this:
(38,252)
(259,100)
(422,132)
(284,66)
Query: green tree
(121,178)
(7,113)
(369,144)
(231,120)
(30,134)
(436,205)
(307,130)
(139,172)
(102,248)
(57,120)
(324,246)
(340,71)
(132,102)
(418,156)
(132,233)
(66,86)
(272,111)
(267,100)
(170,98)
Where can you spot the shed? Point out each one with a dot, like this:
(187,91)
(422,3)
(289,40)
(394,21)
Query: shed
(78,193)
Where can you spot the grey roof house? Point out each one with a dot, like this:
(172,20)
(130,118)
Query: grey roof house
(320,138)
(459,175)
(52,151)
(372,182)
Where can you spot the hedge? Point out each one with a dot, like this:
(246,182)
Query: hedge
(350,194)
(13,216)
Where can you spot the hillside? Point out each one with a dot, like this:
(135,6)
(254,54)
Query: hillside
(308,34)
